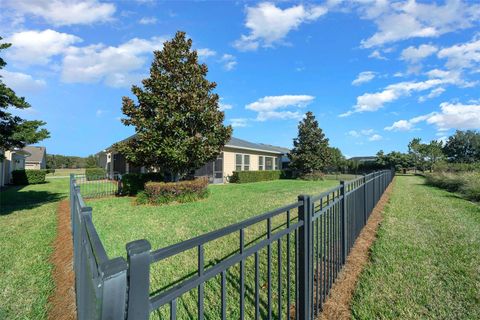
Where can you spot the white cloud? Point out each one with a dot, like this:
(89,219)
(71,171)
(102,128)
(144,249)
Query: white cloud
(65,12)
(451,116)
(271,107)
(369,102)
(229,62)
(147,20)
(364,77)
(38,47)
(238,122)
(376,54)
(398,21)
(93,63)
(224,106)
(369,133)
(415,54)
(353,133)
(21,82)
(433,94)
(375,137)
(205,53)
(269,24)
(462,56)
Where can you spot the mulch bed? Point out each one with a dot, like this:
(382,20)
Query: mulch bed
(337,305)
(62,299)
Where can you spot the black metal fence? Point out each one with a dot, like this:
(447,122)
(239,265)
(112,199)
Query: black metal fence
(283,266)
(96,186)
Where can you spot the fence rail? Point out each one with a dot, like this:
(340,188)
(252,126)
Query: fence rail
(95,186)
(286,271)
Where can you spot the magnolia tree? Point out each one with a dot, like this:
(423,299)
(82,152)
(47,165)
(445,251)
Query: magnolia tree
(310,149)
(179,126)
(16,132)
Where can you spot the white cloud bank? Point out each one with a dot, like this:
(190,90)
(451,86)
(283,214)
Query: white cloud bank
(65,12)
(22,82)
(269,24)
(450,116)
(272,107)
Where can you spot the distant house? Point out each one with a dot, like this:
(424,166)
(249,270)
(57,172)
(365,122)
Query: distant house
(37,159)
(14,160)
(237,155)
(364,159)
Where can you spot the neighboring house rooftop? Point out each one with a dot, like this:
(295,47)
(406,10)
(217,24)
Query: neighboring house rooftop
(241,144)
(36,153)
(364,159)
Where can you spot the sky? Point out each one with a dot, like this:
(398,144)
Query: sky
(374,73)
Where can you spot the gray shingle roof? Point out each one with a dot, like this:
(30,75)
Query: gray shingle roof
(36,153)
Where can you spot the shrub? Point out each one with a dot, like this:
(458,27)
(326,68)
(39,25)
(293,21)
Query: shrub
(132,183)
(47,171)
(313,176)
(255,176)
(182,191)
(466,183)
(24,177)
(95,174)
(456,167)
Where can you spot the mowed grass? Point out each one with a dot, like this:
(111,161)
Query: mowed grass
(28,228)
(66,172)
(425,263)
(118,222)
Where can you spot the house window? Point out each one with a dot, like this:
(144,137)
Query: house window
(246,162)
(238,162)
(277,161)
(260,162)
(268,163)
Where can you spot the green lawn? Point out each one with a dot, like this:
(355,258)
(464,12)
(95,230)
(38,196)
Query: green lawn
(118,222)
(425,263)
(65,172)
(28,228)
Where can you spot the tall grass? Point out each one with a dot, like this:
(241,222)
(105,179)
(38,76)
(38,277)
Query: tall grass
(465,183)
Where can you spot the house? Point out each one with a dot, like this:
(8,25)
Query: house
(13,160)
(237,155)
(37,159)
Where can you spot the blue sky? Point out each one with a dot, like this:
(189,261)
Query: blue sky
(375,73)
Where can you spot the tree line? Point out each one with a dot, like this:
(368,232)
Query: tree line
(58,161)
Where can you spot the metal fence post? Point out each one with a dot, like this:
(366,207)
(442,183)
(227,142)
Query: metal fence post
(138,255)
(344,222)
(114,288)
(304,236)
(365,213)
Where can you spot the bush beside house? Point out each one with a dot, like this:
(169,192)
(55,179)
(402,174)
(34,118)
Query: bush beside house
(132,183)
(24,177)
(95,174)
(255,176)
(182,191)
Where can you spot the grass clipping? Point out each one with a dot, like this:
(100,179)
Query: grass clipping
(337,305)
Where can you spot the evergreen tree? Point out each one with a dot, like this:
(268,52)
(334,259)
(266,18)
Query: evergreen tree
(463,146)
(16,132)
(310,152)
(177,120)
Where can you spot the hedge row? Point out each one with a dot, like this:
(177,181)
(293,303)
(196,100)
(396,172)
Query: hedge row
(465,183)
(456,167)
(132,183)
(182,191)
(95,174)
(24,177)
(255,176)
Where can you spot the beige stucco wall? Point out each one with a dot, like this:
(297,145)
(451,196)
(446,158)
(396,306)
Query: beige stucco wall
(33,166)
(229,159)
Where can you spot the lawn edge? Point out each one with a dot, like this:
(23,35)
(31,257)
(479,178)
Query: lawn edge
(62,299)
(338,303)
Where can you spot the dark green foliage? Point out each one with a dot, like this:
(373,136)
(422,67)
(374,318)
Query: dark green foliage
(95,174)
(310,152)
(255,176)
(463,146)
(337,160)
(132,183)
(313,176)
(91,161)
(58,161)
(394,159)
(24,177)
(456,167)
(177,120)
(16,132)
(182,191)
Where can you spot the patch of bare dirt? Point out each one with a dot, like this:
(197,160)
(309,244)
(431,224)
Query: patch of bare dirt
(62,299)
(337,305)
